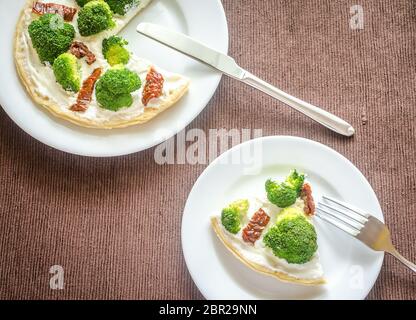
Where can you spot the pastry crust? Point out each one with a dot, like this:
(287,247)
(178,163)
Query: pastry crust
(44,101)
(259,268)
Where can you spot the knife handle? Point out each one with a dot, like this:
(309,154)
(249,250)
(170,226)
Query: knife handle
(319,115)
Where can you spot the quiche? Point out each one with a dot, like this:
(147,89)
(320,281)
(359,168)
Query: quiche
(274,234)
(72,62)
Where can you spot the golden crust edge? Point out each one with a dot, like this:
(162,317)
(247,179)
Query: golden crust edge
(258,268)
(147,115)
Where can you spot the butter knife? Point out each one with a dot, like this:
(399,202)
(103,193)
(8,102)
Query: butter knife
(229,67)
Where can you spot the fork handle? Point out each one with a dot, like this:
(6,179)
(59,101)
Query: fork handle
(403,260)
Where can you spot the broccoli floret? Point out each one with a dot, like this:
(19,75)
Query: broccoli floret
(94,17)
(296,180)
(241,205)
(121,7)
(293,237)
(231,220)
(67,71)
(114,51)
(231,217)
(110,101)
(119,80)
(113,90)
(282,195)
(82,3)
(51,36)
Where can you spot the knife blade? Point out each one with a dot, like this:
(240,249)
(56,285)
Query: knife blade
(192,48)
(228,66)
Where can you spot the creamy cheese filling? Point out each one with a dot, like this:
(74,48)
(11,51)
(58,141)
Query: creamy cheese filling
(262,255)
(44,82)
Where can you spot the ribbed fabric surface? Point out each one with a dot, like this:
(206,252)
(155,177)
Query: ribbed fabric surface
(114,224)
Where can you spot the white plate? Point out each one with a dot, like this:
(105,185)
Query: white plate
(350,268)
(201,19)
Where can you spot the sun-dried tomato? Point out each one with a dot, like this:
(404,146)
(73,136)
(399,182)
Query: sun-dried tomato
(252,232)
(153,87)
(85,94)
(66,12)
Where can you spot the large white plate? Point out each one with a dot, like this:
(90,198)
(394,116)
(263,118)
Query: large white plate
(202,19)
(350,268)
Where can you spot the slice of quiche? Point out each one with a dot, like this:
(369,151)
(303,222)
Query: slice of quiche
(72,62)
(275,235)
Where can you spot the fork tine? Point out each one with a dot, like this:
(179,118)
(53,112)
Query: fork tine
(342,218)
(351,231)
(354,217)
(347,206)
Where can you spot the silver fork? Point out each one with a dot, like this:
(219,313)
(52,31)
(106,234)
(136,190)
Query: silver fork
(361,225)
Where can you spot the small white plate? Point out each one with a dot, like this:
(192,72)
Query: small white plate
(201,19)
(350,268)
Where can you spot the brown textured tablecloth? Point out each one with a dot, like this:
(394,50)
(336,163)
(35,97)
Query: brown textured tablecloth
(95,217)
